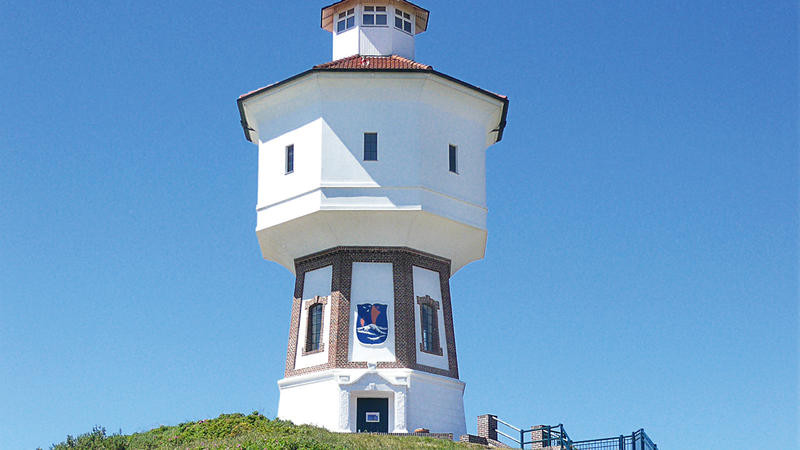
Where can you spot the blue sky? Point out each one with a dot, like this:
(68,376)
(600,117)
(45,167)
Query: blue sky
(642,262)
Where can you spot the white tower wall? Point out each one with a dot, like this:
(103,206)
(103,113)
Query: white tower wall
(317,284)
(373,40)
(416,116)
(373,243)
(418,399)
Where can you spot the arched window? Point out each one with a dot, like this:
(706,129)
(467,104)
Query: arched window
(314,328)
(429,325)
(429,335)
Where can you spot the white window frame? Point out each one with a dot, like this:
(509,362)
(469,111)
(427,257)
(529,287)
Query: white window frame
(405,18)
(347,16)
(374,12)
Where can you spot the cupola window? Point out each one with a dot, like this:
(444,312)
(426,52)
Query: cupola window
(374,15)
(346,20)
(402,20)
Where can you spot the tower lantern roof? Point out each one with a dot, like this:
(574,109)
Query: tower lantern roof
(420,14)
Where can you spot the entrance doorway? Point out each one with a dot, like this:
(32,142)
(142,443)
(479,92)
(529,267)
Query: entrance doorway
(372,415)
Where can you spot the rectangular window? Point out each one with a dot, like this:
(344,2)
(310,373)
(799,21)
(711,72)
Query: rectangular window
(402,20)
(374,15)
(345,20)
(290,158)
(453,160)
(370,146)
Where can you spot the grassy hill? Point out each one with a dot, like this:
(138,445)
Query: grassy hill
(237,431)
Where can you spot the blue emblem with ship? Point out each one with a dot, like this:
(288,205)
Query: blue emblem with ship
(372,326)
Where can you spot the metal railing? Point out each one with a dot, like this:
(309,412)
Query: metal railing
(546,436)
(638,440)
(541,436)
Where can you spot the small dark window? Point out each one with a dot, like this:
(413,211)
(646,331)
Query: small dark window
(370,146)
(290,158)
(430,336)
(453,161)
(314,328)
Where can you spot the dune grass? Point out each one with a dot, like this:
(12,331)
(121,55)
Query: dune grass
(251,432)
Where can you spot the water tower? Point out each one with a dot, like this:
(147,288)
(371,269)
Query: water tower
(371,190)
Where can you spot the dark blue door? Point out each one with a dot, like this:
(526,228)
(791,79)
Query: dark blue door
(372,415)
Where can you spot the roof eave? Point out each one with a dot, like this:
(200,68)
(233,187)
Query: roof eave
(500,126)
(243,119)
(240,101)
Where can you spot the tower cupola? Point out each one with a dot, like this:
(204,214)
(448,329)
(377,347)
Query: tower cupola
(374,27)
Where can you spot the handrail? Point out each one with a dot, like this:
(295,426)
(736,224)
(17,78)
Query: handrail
(550,436)
(638,440)
(500,432)
(508,425)
(556,436)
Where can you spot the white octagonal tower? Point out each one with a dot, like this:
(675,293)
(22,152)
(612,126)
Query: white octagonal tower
(371,190)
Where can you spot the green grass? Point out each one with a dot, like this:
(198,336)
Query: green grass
(237,431)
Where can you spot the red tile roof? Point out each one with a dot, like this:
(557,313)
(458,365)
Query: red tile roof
(374,62)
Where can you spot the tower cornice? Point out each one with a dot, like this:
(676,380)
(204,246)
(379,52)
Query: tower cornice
(370,64)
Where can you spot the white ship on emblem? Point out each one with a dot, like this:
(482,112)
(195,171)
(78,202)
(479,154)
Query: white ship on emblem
(372,333)
(372,326)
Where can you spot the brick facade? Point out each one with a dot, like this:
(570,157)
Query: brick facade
(540,436)
(403,260)
(472,439)
(487,426)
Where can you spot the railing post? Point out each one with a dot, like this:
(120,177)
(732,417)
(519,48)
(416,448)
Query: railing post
(487,426)
(539,436)
(621,442)
(521,438)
